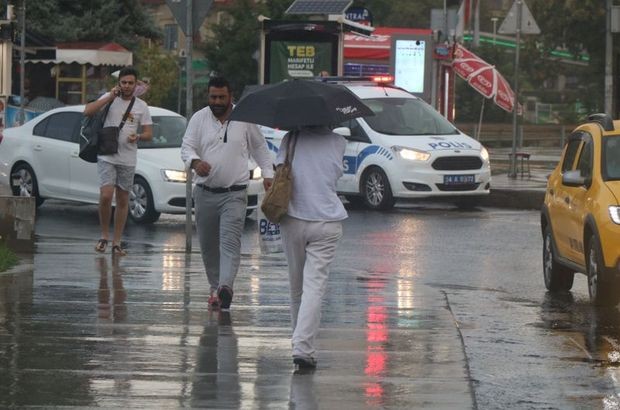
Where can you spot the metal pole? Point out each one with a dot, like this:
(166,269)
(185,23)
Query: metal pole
(608,60)
(445,20)
(515,108)
(494,20)
(188,114)
(476,42)
(22,67)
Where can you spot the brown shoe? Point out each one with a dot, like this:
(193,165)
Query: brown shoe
(101,245)
(118,251)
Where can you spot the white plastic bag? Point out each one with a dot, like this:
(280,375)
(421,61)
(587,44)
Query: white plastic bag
(269,236)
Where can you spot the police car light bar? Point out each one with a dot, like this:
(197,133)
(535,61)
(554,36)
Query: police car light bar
(378,79)
(382,79)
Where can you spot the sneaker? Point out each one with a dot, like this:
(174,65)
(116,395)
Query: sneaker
(305,362)
(214,302)
(225,294)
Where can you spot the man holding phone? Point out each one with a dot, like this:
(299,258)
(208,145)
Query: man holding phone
(116,171)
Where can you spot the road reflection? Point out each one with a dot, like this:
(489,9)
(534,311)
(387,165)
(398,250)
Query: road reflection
(112,295)
(595,330)
(215,382)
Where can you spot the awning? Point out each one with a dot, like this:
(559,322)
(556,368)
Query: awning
(90,53)
(376,46)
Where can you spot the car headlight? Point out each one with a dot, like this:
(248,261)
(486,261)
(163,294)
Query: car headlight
(256,173)
(411,154)
(484,154)
(614,213)
(171,175)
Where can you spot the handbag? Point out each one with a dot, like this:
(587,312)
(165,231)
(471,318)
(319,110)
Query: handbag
(108,136)
(89,134)
(277,198)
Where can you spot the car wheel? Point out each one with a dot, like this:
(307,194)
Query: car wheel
(558,278)
(602,290)
(141,204)
(376,190)
(24,183)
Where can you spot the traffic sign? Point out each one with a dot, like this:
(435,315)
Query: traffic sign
(528,24)
(200,8)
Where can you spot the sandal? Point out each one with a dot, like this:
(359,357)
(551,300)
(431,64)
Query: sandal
(102,244)
(118,251)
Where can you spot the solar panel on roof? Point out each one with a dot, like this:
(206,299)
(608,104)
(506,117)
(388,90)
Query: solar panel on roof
(319,6)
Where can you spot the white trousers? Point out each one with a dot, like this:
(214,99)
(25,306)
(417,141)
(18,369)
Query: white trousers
(310,248)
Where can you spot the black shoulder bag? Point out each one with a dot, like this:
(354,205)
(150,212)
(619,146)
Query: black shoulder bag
(108,136)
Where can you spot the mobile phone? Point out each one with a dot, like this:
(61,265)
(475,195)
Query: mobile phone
(118,92)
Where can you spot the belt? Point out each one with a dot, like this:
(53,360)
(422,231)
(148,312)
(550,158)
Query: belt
(231,188)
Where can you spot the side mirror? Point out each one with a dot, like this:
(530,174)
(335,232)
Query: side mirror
(344,131)
(574,178)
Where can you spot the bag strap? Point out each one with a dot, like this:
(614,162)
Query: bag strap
(105,111)
(120,127)
(290,149)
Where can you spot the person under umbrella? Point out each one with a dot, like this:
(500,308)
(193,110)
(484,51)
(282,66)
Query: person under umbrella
(312,227)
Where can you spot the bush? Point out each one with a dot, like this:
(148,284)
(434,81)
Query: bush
(7,258)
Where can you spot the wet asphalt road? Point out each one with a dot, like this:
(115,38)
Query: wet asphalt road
(427,307)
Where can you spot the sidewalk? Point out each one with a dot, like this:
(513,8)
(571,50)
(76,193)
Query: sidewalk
(522,192)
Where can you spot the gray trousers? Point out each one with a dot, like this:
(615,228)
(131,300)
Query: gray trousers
(219,221)
(310,247)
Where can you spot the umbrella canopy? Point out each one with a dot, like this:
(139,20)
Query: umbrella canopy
(483,77)
(291,104)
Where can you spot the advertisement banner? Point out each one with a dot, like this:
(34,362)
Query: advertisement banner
(296,59)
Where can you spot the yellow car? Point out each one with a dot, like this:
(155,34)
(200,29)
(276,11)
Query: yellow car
(580,217)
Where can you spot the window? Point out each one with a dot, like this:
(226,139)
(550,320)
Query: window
(585,160)
(61,126)
(611,158)
(571,154)
(171,37)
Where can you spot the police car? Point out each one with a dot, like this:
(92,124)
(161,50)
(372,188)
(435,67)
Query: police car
(406,150)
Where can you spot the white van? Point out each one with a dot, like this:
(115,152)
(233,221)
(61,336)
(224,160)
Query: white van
(406,150)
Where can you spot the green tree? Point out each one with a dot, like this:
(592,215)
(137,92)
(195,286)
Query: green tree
(121,21)
(232,49)
(577,26)
(162,71)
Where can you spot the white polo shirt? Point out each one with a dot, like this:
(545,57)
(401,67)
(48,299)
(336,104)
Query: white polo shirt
(205,140)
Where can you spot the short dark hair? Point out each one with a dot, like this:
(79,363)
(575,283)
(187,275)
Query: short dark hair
(128,71)
(219,82)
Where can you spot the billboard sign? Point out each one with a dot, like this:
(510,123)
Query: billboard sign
(297,59)
(411,61)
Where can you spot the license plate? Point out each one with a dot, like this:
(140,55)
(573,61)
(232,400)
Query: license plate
(458,179)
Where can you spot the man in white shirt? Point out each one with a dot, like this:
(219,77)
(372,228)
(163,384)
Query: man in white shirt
(116,171)
(218,151)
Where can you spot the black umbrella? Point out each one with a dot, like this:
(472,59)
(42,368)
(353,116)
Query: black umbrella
(291,104)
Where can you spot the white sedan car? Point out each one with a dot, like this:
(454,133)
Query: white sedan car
(40,159)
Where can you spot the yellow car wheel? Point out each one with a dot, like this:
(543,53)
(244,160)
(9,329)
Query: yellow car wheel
(557,277)
(602,292)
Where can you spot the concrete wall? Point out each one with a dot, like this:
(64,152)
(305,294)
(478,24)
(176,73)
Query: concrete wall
(17,222)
